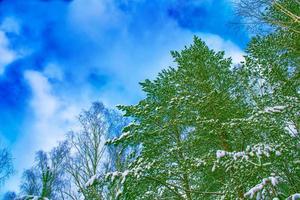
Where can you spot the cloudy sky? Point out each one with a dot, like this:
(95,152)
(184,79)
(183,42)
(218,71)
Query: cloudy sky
(58,56)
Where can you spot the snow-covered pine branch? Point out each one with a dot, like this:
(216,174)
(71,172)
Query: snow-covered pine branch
(258,190)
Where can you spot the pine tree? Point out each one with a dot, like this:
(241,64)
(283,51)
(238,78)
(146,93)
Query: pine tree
(207,130)
(179,127)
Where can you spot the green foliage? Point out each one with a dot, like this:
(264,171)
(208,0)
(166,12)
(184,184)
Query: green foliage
(206,129)
(247,115)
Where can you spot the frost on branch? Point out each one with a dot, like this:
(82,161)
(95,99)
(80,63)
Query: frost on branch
(259,188)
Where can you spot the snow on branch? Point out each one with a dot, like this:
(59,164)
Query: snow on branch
(116,139)
(291,129)
(92,181)
(274,109)
(136,171)
(255,117)
(256,150)
(259,187)
(294,197)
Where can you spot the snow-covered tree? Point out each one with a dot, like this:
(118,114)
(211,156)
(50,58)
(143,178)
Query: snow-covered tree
(210,130)
(268,164)
(179,125)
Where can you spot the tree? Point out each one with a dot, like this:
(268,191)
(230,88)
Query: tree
(6,168)
(208,130)
(178,125)
(270,75)
(261,14)
(46,178)
(9,196)
(30,183)
(91,158)
(281,18)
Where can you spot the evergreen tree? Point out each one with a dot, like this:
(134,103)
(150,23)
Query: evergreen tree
(179,127)
(208,130)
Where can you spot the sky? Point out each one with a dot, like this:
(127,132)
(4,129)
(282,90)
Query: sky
(59,56)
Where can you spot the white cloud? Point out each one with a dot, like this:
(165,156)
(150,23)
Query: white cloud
(128,57)
(52,115)
(44,104)
(49,118)
(219,44)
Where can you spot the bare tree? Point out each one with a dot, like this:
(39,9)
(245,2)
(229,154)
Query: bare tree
(46,178)
(258,15)
(9,196)
(88,158)
(91,159)
(6,168)
(30,184)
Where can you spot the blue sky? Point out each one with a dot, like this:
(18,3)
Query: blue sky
(58,56)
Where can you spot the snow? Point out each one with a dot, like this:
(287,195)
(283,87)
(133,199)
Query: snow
(124,174)
(294,197)
(274,109)
(257,150)
(92,180)
(123,135)
(253,191)
(273,180)
(234,155)
(220,154)
(114,175)
(291,129)
(119,192)
(255,117)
